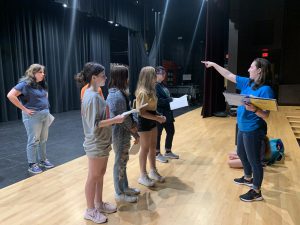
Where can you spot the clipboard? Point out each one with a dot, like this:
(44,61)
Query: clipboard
(262,103)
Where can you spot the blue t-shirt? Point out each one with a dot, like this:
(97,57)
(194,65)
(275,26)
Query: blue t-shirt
(247,120)
(33,98)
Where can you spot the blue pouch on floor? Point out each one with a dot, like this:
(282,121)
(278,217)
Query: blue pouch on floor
(276,151)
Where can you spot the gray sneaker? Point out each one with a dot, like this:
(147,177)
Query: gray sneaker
(161,158)
(125,198)
(171,155)
(132,191)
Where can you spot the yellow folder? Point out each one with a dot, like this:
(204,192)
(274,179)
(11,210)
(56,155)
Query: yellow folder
(264,104)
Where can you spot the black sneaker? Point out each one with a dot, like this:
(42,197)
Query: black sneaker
(251,196)
(243,181)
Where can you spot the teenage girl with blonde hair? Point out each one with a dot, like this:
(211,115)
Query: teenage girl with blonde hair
(147,118)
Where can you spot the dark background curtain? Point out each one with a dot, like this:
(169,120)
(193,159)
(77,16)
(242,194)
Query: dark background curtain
(123,12)
(137,58)
(41,33)
(216,45)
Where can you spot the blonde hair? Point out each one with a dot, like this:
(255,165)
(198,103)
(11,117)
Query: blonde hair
(29,77)
(145,82)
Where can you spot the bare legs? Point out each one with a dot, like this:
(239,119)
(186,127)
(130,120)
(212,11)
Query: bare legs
(94,183)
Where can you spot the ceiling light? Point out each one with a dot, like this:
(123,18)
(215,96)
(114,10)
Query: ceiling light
(110,21)
(65,5)
(116,25)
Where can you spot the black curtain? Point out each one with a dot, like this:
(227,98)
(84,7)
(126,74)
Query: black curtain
(137,58)
(61,39)
(216,45)
(123,12)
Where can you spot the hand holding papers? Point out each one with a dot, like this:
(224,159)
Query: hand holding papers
(134,110)
(179,102)
(262,103)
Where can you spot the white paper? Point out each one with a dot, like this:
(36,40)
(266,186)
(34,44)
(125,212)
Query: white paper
(129,112)
(234,99)
(134,110)
(179,102)
(50,119)
(135,148)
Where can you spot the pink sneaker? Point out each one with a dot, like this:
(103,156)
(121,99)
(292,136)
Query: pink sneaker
(95,216)
(107,208)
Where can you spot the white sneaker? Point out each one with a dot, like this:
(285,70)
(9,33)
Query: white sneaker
(107,208)
(95,216)
(132,191)
(125,198)
(146,181)
(154,175)
(161,158)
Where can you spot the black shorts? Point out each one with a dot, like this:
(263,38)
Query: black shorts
(146,124)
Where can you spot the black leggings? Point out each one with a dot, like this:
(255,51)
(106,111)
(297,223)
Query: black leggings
(170,130)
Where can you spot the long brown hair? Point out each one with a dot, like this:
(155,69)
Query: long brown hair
(265,75)
(30,79)
(118,77)
(145,82)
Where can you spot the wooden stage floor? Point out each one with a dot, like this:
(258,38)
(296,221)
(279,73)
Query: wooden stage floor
(199,187)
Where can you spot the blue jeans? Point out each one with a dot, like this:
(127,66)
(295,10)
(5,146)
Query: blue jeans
(36,127)
(121,148)
(249,145)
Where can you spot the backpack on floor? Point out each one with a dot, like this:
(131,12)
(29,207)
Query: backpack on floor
(276,152)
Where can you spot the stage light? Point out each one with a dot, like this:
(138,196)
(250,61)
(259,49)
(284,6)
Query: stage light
(65,5)
(110,21)
(116,25)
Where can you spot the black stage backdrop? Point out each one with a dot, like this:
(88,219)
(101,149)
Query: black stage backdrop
(216,45)
(35,33)
(137,58)
(124,12)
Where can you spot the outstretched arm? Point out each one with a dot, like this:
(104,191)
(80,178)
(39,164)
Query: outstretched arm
(225,73)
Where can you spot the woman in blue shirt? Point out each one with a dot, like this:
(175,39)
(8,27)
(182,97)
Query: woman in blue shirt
(252,127)
(31,96)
